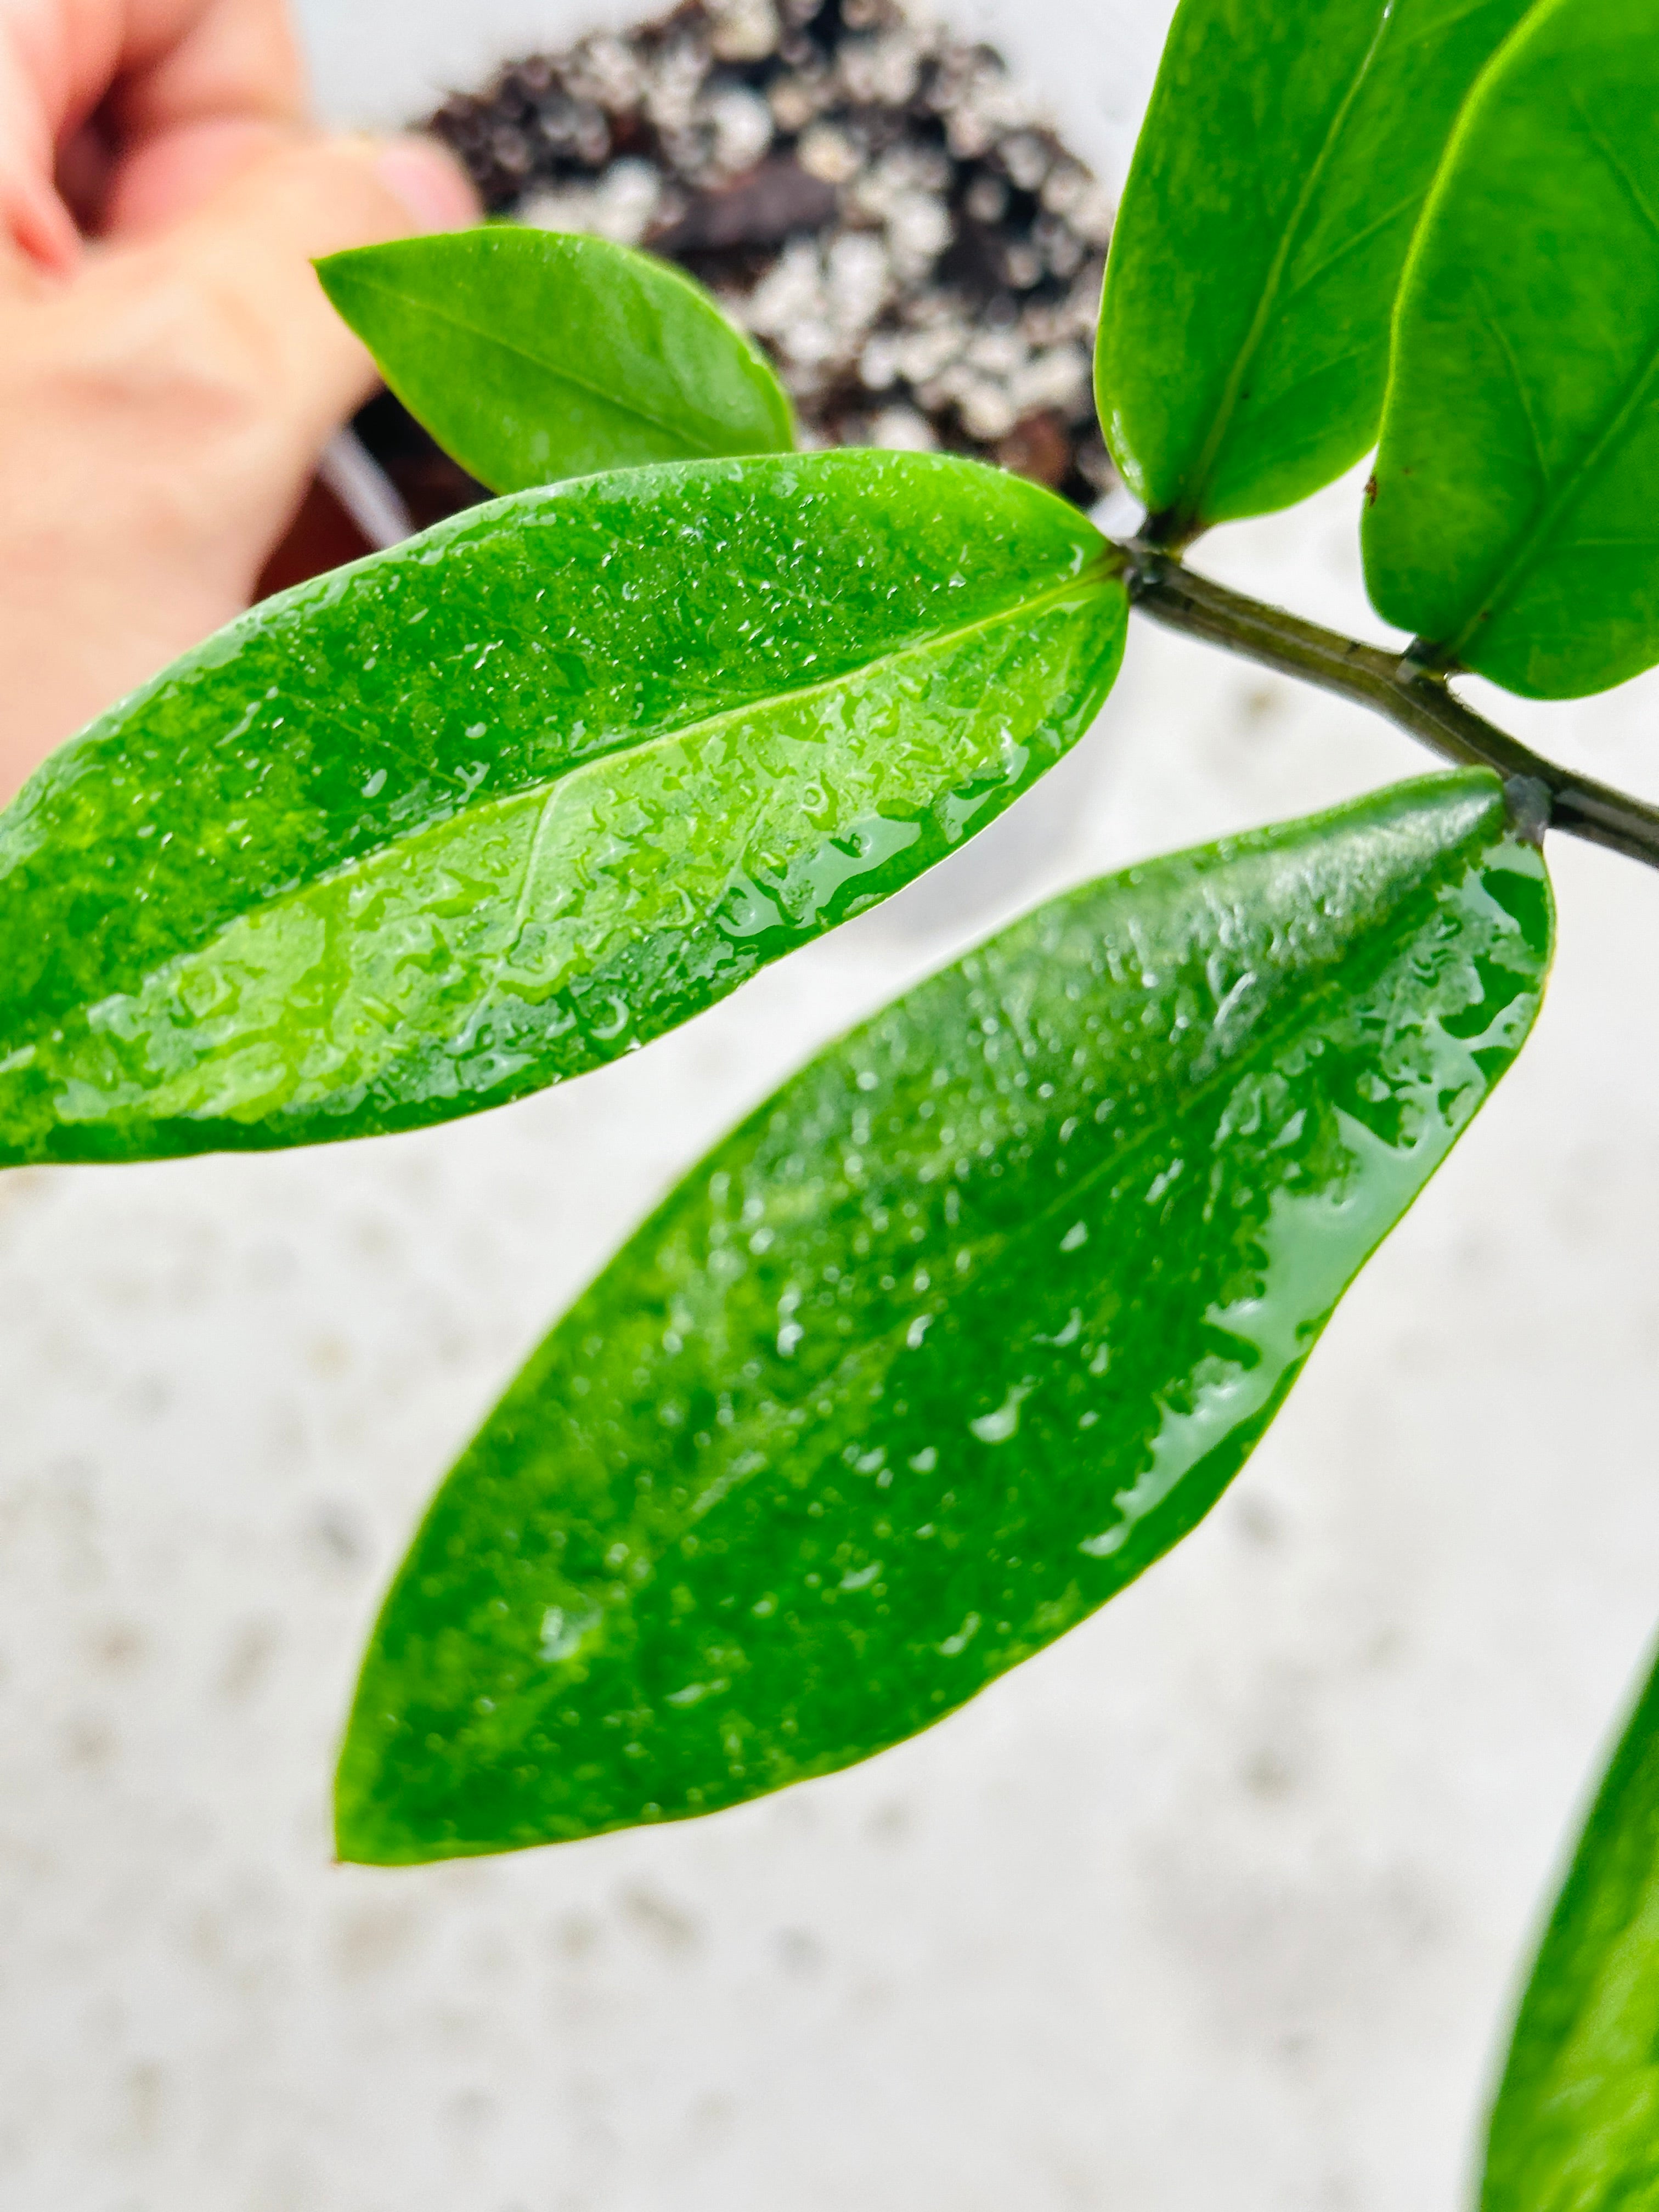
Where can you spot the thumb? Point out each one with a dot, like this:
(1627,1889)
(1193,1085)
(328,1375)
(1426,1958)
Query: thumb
(249,245)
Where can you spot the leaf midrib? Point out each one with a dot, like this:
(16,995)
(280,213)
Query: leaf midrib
(1197,479)
(493,338)
(1504,583)
(994,1242)
(1094,577)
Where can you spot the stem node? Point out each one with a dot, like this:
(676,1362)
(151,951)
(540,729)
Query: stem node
(1401,689)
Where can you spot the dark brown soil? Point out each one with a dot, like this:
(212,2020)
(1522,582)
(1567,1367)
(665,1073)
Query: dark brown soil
(880,205)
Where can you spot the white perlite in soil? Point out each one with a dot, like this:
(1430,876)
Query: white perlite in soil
(880,204)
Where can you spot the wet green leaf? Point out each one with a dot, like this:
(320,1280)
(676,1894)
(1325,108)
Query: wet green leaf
(1518,476)
(531,356)
(490,808)
(1575,2126)
(1244,332)
(953,1339)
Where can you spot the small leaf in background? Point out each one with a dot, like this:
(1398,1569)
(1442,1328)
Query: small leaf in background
(531,356)
(1244,332)
(1513,526)
(1575,2126)
(497,806)
(953,1339)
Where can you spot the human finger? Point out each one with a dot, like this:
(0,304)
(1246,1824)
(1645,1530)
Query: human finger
(119,111)
(205,89)
(248,251)
(171,402)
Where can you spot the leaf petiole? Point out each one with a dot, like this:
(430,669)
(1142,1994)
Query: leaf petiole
(1394,686)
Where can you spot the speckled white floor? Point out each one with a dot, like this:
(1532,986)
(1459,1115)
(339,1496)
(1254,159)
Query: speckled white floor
(1215,1904)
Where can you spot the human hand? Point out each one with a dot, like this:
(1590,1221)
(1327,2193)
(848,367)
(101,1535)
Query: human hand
(169,368)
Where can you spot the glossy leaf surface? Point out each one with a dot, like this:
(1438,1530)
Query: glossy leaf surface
(490,808)
(532,355)
(1576,2127)
(953,1339)
(1284,159)
(1518,475)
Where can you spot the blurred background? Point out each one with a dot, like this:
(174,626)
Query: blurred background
(1220,1901)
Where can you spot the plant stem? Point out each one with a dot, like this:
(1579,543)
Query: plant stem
(1395,686)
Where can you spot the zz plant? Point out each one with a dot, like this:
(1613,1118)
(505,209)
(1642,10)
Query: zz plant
(977,1316)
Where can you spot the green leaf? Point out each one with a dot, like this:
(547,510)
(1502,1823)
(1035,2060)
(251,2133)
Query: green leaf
(498,805)
(953,1339)
(531,356)
(1518,477)
(1575,2126)
(1244,332)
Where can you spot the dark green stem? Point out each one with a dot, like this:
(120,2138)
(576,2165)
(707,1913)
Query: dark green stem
(1398,688)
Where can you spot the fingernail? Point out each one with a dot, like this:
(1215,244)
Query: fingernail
(45,230)
(430,183)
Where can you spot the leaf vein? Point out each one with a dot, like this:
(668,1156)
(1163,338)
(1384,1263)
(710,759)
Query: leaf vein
(560,375)
(1198,477)
(1611,157)
(1572,486)
(1349,245)
(548,789)
(1518,383)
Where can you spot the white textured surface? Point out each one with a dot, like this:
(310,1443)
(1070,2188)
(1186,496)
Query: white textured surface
(1216,1904)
